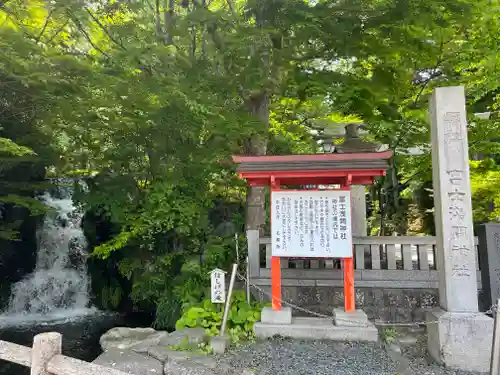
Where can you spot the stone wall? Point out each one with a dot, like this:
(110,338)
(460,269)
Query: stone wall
(390,305)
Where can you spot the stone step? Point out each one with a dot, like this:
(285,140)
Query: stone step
(316,329)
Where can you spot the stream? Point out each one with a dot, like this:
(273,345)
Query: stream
(55,296)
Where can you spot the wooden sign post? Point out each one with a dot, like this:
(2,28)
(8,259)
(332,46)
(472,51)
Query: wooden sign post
(312,223)
(218,285)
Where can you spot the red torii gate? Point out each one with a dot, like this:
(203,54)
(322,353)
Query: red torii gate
(341,169)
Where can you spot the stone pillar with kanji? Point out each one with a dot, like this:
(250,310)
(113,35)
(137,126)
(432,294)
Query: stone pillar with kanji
(458,335)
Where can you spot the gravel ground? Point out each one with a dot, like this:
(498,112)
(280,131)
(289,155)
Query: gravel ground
(294,357)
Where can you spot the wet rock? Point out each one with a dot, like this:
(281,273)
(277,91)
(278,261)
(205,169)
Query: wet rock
(141,350)
(200,365)
(187,335)
(130,362)
(140,340)
(122,338)
(163,353)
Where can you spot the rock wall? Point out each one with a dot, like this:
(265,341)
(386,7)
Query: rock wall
(144,351)
(390,305)
(18,256)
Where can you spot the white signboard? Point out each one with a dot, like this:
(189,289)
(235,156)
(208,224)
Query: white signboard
(311,224)
(218,286)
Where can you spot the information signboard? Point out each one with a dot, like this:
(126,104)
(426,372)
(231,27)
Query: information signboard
(218,286)
(311,224)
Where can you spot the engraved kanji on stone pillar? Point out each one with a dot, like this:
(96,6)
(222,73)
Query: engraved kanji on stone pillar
(452,199)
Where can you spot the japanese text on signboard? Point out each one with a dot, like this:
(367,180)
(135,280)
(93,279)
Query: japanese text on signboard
(311,224)
(218,286)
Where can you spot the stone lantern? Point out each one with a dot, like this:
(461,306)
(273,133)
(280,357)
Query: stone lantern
(352,144)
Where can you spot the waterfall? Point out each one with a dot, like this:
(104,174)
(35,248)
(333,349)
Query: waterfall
(58,288)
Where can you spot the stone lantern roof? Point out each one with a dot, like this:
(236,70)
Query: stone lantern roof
(353,143)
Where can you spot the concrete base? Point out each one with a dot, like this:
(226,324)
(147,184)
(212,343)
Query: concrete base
(219,344)
(270,316)
(460,340)
(316,329)
(357,318)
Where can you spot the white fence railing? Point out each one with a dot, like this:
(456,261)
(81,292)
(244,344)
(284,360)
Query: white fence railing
(45,358)
(391,261)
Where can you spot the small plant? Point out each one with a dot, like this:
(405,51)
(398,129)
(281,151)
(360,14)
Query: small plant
(202,316)
(389,335)
(187,346)
(205,348)
(241,318)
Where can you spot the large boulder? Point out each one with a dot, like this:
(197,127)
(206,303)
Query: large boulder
(130,362)
(164,354)
(141,339)
(188,364)
(186,335)
(144,351)
(122,338)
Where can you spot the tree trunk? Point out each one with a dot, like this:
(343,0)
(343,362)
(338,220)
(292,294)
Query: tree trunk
(203,35)
(257,145)
(157,19)
(169,14)
(258,106)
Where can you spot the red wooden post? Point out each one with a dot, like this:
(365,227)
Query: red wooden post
(276,282)
(349,292)
(276,170)
(275,262)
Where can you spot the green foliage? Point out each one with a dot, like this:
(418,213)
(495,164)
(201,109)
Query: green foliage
(485,186)
(148,105)
(180,278)
(13,192)
(389,335)
(208,316)
(204,317)
(7,146)
(186,346)
(111,296)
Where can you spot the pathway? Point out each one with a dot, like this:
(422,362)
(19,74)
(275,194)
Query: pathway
(294,357)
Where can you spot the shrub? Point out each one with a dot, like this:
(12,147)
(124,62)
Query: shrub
(207,315)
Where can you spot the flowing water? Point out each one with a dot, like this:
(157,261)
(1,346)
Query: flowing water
(55,296)
(58,288)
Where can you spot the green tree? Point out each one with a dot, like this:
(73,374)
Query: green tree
(148,101)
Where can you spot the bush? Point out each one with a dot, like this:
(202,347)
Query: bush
(207,315)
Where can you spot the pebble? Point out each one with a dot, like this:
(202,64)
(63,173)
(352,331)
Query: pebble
(297,357)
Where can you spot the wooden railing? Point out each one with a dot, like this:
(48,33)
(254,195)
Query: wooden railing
(392,261)
(45,358)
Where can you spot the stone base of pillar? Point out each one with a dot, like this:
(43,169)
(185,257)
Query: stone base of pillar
(270,316)
(460,340)
(220,344)
(357,318)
